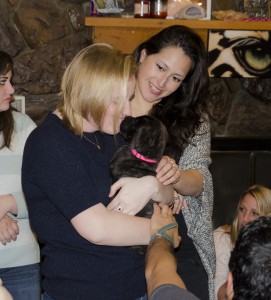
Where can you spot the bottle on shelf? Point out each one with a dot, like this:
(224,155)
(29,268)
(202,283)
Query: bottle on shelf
(158,9)
(142,9)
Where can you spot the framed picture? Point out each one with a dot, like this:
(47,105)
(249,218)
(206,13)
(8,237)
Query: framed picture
(19,103)
(207,7)
(239,53)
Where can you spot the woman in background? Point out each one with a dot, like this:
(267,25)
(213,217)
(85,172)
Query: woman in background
(19,250)
(255,202)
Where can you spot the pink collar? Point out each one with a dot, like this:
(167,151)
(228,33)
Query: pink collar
(140,156)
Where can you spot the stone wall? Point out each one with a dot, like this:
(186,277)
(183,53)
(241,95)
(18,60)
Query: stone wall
(42,40)
(240,107)
(43,36)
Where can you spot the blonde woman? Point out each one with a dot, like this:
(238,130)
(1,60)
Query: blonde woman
(255,202)
(66,180)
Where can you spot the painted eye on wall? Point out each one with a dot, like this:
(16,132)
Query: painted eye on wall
(254,55)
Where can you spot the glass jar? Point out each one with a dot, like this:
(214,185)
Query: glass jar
(142,9)
(158,9)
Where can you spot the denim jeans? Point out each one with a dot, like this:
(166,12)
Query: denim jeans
(47,297)
(22,282)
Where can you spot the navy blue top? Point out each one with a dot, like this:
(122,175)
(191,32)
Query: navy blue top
(63,175)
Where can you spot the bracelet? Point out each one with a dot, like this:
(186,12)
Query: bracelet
(161,233)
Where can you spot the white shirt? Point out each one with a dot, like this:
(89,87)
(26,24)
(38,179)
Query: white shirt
(223,249)
(25,250)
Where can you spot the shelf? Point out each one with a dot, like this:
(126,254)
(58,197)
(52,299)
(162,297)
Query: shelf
(162,23)
(125,34)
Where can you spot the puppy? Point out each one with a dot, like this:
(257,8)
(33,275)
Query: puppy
(147,138)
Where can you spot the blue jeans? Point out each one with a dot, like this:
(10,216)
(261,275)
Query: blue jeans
(22,282)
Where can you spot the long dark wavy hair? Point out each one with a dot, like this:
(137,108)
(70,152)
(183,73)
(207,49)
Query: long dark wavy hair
(182,112)
(6,118)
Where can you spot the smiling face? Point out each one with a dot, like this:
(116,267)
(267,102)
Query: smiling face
(248,210)
(161,74)
(6,90)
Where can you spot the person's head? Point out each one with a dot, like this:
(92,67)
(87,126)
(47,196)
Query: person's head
(173,80)
(6,91)
(250,262)
(6,88)
(97,86)
(254,202)
(171,62)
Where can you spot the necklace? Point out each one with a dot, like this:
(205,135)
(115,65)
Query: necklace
(96,144)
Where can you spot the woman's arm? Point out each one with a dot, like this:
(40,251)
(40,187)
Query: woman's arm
(8,204)
(100,226)
(134,193)
(190,183)
(194,163)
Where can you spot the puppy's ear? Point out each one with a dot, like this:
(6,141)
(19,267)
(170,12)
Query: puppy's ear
(128,128)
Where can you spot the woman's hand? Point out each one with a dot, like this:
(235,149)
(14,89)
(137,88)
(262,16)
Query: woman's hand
(178,203)
(133,194)
(8,204)
(9,230)
(168,171)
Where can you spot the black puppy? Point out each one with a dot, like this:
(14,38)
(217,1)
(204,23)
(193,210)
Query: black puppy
(147,138)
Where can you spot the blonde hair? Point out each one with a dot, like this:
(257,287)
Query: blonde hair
(262,195)
(88,83)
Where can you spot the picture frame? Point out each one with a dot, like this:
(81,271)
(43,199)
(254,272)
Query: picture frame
(19,103)
(207,6)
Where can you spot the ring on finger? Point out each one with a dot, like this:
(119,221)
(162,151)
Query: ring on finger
(172,162)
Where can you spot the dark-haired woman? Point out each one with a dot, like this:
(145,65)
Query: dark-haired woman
(19,250)
(172,81)
(171,85)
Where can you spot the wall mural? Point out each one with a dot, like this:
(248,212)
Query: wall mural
(234,53)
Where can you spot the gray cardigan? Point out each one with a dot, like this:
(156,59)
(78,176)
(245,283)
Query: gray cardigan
(198,216)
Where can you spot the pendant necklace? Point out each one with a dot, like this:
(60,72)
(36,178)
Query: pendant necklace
(96,144)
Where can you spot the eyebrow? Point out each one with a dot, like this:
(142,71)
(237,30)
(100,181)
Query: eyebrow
(3,77)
